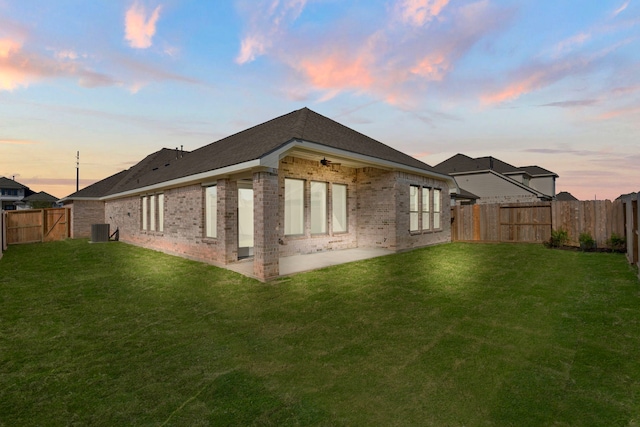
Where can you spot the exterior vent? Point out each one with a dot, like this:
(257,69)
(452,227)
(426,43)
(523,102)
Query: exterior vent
(99,233)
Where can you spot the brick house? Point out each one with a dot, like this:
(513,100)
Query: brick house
(300,183)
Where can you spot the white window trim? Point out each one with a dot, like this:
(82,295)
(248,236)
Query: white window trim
(211,218)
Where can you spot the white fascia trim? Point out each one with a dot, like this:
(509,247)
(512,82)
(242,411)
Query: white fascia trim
(179,182)
(272,160)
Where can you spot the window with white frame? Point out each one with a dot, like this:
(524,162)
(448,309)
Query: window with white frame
(426,223)
(293,206)
(211,211)
(161,212)
(437,208)
(414,201)
(339,208)
(145,216)
(318,193)
(152,213)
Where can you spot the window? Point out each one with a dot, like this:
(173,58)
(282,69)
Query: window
(414,198)
(161,212)
(152,213)
(293,206)
(436,208)
(339,203)
(211,211)
(318,207)
(144,212)
(425,208)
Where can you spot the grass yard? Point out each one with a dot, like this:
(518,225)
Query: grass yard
(458,334)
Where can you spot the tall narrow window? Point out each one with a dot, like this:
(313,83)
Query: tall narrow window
(414,198)
(339,211)
(152,213)
(144,213)
(161,212)
(211,211)
(293,206)
(436,208)
(318,207)
(425,209)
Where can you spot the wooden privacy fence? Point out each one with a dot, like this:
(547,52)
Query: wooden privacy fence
(37,225)
(533,222)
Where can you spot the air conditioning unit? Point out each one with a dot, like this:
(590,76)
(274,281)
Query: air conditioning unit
(99,233)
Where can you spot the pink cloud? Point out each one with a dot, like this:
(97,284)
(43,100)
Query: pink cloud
(266,25)
(419,12)
(627,111)
(621,8)
(140,29)
(16,141)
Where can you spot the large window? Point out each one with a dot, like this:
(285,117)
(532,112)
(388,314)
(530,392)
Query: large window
(152,213)
(436,208)
(425,209)
(161,212)
(145,216)
(339,208)
(318,207)
(414,199)
(293,206)
(211,211)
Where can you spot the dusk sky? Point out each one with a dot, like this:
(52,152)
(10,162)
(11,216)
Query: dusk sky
(530,82)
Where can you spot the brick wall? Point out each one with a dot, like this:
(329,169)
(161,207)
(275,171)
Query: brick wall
(376,208)
(293,167)
(183,225)
(408,240)
(266,225)
(84,213)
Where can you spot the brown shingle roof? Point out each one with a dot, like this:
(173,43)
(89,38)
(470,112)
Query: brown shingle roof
(252,144)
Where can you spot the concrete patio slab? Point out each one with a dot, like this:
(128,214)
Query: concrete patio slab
(307,262)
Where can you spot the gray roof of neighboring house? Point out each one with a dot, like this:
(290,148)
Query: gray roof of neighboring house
(250,144)
(461,163)
(536,171)
(10,183)
(464,194)
(565,196)
(464,164)
(40,197)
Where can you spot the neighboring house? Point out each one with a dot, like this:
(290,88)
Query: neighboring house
(12,192)
(300,183)
(565,196)
(494,181)
(39,200)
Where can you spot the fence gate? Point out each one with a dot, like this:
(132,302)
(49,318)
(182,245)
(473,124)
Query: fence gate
(525,223)
(37,225)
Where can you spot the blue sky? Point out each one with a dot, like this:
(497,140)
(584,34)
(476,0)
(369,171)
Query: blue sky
(548,83)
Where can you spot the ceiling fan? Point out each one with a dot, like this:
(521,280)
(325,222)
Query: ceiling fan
(325,162)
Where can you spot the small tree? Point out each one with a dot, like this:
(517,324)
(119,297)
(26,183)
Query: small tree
(558,238)
(587,242)
(617,242)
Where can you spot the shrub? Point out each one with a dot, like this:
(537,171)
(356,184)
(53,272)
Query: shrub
(586,241)
(558,238)
(617,242)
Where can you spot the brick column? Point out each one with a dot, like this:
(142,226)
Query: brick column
(266,250)
(228,220)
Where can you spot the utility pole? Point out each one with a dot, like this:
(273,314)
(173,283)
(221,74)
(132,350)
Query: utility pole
(77,171)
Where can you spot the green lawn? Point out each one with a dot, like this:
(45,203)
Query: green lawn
(458,334)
